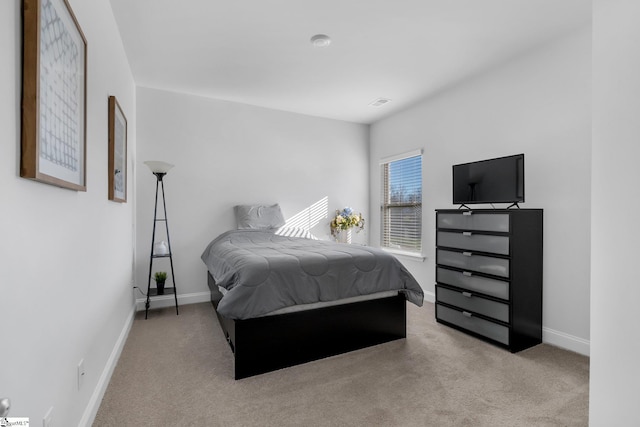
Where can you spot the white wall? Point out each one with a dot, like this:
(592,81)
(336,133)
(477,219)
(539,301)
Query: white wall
(615,291)
(227,153)
(66,256)
(537,104)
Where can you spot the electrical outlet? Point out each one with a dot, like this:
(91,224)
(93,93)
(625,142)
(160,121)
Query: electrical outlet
(47,420)
(81,374)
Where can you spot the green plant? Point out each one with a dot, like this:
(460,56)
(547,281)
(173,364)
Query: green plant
(160,276)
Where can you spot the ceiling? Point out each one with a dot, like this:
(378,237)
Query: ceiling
(258,51)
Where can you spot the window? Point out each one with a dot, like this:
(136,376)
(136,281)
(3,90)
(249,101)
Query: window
(401,202)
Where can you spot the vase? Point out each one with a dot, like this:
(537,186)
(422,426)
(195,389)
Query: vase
(160,286)
(160,248)
(343,236)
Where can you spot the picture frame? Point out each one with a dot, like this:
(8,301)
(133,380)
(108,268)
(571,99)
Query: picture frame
(54,95)
(117,167)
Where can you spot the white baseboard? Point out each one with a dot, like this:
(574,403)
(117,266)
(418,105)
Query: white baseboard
(169,300)
(566,341)
(429,297)
(91,410)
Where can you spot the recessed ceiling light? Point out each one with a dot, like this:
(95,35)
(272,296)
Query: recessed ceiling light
(320,40)
(379,102)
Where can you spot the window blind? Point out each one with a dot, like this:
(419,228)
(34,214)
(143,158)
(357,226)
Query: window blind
(401,203)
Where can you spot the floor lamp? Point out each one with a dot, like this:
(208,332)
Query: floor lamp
(160,169)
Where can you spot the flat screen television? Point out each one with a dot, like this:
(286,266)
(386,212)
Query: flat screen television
(499,180)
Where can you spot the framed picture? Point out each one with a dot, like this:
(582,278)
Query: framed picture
(117,152)
(54,88)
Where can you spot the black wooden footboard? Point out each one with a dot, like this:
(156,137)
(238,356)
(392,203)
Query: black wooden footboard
(269,343)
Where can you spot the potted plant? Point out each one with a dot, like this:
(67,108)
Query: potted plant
(160,277)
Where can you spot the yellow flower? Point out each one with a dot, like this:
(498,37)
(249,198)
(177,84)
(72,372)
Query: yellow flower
(346,219)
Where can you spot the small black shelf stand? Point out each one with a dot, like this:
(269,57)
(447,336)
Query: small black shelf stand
(153,292)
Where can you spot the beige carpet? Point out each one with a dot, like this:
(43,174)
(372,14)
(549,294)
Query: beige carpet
(177,371)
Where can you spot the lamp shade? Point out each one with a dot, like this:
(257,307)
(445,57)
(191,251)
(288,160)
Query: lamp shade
(158,166)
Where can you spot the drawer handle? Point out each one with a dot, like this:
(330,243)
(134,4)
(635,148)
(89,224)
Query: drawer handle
(466,314)
(467,294)
(467,213)
(467,253)
(466,233)
(467,273)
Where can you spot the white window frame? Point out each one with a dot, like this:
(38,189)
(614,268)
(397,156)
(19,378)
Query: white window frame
(384,204)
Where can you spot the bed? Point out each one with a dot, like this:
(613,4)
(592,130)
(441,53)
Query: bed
(283,301)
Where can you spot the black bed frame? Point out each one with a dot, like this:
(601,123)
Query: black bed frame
(265,344)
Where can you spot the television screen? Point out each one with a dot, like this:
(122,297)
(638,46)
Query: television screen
(499,180)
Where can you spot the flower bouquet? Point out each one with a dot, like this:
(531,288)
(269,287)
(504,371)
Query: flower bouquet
(346,219)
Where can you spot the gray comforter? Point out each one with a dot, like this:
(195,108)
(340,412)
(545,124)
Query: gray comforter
(263,272)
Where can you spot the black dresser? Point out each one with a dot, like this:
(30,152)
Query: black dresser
(489,274)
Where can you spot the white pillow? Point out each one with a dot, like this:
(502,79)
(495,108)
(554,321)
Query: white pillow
(259,217)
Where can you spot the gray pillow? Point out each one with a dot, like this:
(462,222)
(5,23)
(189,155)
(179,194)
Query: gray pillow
(259,217)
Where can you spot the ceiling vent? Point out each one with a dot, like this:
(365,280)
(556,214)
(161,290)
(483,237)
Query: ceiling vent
(379,102)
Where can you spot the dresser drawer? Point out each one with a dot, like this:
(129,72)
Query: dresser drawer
(474,242)
(469,302)
(474,221)
(470,261)
(467,281)
(469,322)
